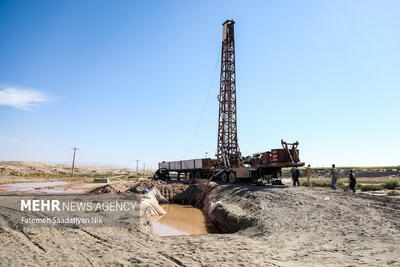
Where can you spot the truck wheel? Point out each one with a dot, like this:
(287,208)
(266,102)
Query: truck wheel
(191,177)
(254,177)
(224,177)
(277,182)
(232,177)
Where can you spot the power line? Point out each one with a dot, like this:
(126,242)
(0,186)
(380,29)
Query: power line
(203,109)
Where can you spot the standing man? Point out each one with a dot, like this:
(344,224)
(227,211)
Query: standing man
(295,176)
(352,181)
(334,176)
(309,173)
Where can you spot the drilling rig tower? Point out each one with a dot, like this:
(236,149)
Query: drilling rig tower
(227,146)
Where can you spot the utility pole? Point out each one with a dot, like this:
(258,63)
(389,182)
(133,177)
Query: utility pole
(144,166)
(73,161)
(137,166)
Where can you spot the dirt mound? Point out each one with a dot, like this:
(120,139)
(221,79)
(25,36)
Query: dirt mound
(147,185)
(193,194)
(168,191)
(112,188)
(173,192)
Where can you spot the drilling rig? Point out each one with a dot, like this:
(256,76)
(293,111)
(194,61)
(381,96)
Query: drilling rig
(229,165)
(227,145)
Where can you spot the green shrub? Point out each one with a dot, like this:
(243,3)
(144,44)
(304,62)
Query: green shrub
(391,185)
(341,185)
(393,193)
(370,187)
(321,184)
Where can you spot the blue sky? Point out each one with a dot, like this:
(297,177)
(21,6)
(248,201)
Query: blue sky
(127,80)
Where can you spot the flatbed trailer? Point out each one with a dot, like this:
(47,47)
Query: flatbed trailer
(260,167)
(192,168)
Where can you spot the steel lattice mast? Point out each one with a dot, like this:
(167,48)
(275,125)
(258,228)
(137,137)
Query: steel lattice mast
(228,149)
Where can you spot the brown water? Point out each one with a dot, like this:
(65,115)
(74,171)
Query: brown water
(180,220)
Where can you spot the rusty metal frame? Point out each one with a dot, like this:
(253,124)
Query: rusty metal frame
(227,144)
(293,148)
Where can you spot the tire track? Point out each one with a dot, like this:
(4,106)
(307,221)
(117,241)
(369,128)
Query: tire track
(171,258)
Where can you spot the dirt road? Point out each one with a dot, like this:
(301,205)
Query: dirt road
(285,227)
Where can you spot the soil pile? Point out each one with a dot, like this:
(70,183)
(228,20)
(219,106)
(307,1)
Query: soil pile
(146,184)
(193,194)
(112,188)
(173,193)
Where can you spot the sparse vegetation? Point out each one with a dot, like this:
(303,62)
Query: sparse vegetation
(89,176)
(359,180)
(348,168)
(358,168)
(363,184)
(66,175)
(393,193)
(373,180)
(370,187)
(135,177)
(320,182)
(390,185)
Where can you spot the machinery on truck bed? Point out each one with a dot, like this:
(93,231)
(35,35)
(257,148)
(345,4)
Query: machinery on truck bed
(230,166)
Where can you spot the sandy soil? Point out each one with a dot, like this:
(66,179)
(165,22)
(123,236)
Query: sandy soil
(282,226)
(21,168)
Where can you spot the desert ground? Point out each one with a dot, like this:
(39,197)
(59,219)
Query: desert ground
(258,226)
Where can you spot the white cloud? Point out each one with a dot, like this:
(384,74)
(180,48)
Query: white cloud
(21,98)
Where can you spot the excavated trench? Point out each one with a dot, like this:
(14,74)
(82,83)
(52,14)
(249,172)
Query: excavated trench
(181,220)
(219,217)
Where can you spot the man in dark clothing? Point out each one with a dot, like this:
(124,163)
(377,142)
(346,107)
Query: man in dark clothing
(295,176)
(352,181)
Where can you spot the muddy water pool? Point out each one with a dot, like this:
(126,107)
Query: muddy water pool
(181,220)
